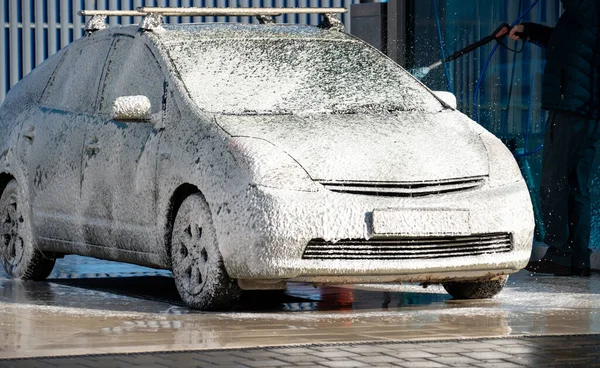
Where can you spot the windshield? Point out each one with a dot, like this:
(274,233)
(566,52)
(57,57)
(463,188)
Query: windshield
(280,76)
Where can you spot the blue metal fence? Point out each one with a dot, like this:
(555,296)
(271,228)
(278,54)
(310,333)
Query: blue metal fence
(32,30)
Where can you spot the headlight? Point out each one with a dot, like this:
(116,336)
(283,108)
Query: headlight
(503,166)
(269,166)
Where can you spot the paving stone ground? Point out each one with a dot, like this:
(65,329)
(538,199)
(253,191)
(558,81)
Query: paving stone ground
(547,351)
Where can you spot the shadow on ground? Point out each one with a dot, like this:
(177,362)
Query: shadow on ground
(299,297)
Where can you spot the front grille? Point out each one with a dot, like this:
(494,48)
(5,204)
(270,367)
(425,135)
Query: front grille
(400,248)
(403,189)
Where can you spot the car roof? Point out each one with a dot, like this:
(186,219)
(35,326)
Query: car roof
(194,32)
(245,31)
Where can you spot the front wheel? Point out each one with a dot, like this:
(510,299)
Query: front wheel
(18,252)
(475,289)
(200,276)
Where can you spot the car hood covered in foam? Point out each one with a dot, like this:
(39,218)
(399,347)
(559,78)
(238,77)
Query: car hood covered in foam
(394,147)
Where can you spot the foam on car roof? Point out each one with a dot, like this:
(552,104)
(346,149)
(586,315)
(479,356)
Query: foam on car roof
(227,31)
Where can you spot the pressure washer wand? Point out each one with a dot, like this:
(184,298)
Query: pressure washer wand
(498,34)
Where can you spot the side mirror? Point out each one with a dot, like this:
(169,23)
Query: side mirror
(131,108)
(447,97)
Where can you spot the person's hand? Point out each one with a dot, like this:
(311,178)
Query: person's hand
(517,32)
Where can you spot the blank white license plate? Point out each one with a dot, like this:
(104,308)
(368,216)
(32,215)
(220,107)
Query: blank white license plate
(413,222)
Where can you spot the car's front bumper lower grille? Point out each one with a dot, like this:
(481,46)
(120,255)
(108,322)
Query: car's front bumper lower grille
(404,189)
(404,248)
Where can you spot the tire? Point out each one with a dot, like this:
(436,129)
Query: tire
(18,252)
(200,276)
(475,289)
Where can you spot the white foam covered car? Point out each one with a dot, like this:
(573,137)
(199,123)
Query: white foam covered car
(249,156)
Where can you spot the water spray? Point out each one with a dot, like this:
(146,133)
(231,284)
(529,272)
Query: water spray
(497,35)
(421,73)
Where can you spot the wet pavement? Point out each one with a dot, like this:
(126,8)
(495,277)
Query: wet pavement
(98,307)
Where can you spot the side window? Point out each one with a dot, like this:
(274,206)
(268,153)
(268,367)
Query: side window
(132,70)
(74,85)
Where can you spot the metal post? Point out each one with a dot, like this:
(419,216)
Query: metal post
(14,42)
(197,4)
(314,18)
(26,21)
(52,44)
(186,3)
(221,4)
(113,21)
(77,29)
(211,4)
(3,86)
(64,23)
(279,4)
(303,18)
(39,33)
(346,18)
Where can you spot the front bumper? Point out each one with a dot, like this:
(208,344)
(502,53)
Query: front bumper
(268,242)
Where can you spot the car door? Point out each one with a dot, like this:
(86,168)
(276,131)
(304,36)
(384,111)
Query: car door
(52,141)
(119,161)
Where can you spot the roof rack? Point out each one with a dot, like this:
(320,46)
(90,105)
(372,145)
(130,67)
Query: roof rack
(153,16)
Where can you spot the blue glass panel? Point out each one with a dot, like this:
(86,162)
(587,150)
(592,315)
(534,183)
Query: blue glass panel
(19,67)
(45,43)
(19,11)
(509,98)
(31,11)
(45,11)
(7,60)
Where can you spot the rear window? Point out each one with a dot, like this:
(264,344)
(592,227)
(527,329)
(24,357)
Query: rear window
(278,76)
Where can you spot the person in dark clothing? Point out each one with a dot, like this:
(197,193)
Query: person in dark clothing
(571,94)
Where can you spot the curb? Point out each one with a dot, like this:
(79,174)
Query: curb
(415,342)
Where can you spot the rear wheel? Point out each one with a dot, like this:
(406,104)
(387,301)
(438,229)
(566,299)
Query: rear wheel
(18,252)
(197,264)
(475,289)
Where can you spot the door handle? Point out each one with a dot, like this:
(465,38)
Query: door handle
(93,147)
(30,133)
